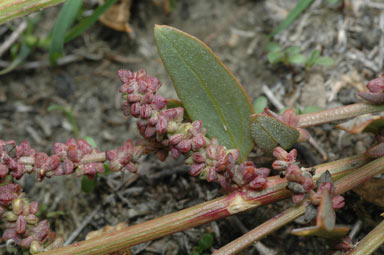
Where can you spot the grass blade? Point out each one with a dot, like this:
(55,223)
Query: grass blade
(297,10)
(89,21)
(66,17)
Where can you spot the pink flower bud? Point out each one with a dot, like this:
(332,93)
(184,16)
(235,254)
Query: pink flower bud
(290,118)
(196,169)
(212,175)
(280,154)
(147,98)
(184,146)
(161,125)
(175,153)
(21,225)
(68,167)
(211,151)
(135,110)
(84,147)
(26,242)
(263,171)
(297,198)
(41,159)
(124,75)
(280,164)
(198,142)
(146,111)
(376,85)
(308,184)
(31,219)
(133,98)
(175,139)
(53,162)
(338,202)
(198,157)
(60,149)
(149,132)
(196,127)
(159,102)
(33,207)
(73,153)
(258,182)
(3,170)
(126,109)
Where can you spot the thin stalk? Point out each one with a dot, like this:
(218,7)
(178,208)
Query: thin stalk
(262,230)
(338,113)
(212,210)
(370,242)
(11,9)
(345,183)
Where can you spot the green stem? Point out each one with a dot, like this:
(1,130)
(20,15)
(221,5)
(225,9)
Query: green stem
(212,210)
(370,242)
(338,113)
(11,9)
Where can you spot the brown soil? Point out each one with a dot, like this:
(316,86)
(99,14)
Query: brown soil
(237,31)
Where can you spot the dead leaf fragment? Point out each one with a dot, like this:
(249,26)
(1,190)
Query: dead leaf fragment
(117,16)
(372,191)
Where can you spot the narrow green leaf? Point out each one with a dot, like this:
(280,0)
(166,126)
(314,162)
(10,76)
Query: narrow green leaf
(68,114)
(259,104)
(269,133)
(208,90)
(311,61)
(297,10)
(25,50)
(297,59)
(89,21)
(324,61)
(66,17)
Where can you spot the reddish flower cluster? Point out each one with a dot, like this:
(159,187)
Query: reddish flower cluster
(315,196)
(167,132)
(299,181)
(22,225)
(124,157)
(67,157)
(375,92)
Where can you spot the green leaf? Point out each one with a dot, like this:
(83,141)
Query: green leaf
(259,104)
(293,50)
(311,61)
(206,241)
(89,21)
(88,185)
(324,61)
(66,17)
(297,59)
(275,57)
(269,133)
(207,88)
(91,141)
(25,50)
(273,47)
(297,10)
(310,109)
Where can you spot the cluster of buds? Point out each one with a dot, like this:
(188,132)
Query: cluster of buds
(299,180)
(23,228)
(67,158)
(166,132)
(375,92)
(325,183)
